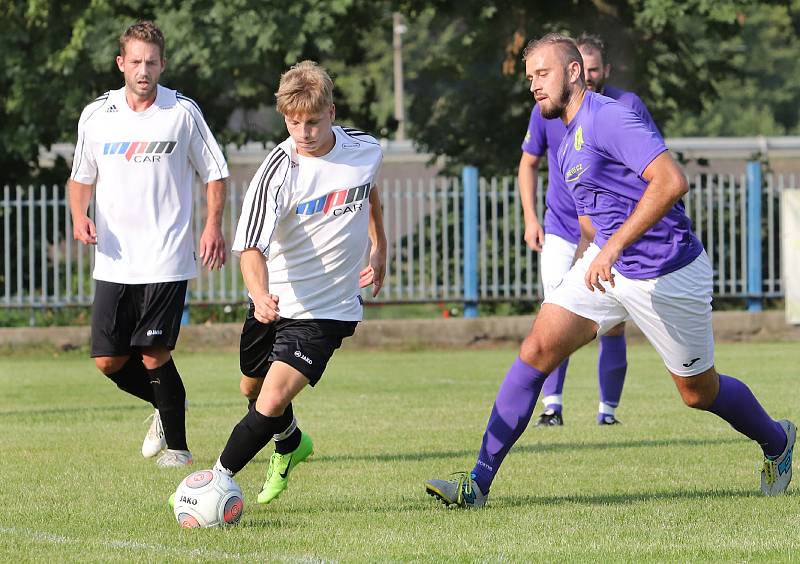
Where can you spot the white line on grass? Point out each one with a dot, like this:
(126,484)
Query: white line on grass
(42,536)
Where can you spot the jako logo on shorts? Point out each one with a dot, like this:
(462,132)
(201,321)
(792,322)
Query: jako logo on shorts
(349,197)
(140,151)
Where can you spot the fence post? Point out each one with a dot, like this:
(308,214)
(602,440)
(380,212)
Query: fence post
(470,222)
(755,283)
(185,315)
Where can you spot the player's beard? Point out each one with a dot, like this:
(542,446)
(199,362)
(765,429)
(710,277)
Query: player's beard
(556,110)
(139,91)
(596,86)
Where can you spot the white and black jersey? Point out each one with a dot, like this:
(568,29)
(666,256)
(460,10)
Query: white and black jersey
(310,216)
(143,164)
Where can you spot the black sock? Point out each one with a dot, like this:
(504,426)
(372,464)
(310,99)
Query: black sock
(134,379)
(249,436)
(171,400)
(287,438)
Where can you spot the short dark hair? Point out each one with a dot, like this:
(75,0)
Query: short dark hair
(146,31)
(593,42)
(566,46)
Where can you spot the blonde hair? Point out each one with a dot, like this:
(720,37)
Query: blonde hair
(567,49)
(305,89)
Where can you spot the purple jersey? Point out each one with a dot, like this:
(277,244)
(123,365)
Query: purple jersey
(602,157)
(545,135)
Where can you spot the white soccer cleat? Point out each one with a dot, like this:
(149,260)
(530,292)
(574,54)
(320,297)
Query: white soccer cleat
(154,441)
(776,474)
(460,491)
(174,459)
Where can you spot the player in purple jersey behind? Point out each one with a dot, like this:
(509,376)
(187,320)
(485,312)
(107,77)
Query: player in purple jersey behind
(643,263)
(560,245)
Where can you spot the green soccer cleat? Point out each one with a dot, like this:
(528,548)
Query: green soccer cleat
(460,491)
(279,467)
(171,500)
(776,474)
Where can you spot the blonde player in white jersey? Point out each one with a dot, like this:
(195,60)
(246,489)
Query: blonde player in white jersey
(140,146)
(308,219)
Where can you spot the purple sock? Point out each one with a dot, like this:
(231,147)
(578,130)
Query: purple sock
(510,415)
(737,405)
(554,385)
(612,364)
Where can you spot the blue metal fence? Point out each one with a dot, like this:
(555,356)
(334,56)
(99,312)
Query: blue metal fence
(450,239)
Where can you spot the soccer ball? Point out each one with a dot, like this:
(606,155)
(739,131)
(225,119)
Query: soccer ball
(206,499)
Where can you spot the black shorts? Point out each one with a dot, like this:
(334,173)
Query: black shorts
(128,316)
(304,344)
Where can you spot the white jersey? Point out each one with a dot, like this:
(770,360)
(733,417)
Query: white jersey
(310,217)
(143,164)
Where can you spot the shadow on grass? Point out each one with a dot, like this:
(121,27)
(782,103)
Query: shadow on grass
(540,447)
(619,499)
(36,413)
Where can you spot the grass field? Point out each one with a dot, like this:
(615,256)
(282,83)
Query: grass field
(670,484)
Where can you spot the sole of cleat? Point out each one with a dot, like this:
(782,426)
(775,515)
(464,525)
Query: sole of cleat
(436,494)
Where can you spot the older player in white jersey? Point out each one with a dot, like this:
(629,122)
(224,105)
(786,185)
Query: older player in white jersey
(309,217)
(141,146)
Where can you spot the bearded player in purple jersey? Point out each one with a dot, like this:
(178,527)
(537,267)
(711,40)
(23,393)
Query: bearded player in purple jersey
(558,241)
(643,263)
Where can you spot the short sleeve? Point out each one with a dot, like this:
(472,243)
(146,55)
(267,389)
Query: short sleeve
(535,142)
(626,137)
(84,164)
(263,204)
(204,152)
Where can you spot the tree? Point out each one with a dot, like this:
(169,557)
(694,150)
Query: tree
(470,99)
(58,56)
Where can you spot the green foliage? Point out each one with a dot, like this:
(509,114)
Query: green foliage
(760,96)
(704,67)
(471,100)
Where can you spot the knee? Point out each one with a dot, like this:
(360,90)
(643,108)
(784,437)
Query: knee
(617,331)
(272,406)
(250,387)
(697,398)
(532,349)
(110,364)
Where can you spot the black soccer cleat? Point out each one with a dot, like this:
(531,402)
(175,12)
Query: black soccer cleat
(607,419)
(550,418)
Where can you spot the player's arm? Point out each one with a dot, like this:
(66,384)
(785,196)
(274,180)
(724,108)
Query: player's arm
(83,228)
(528,176)
(666,186)
(256,278)
(376,269)
(587,235)
(212,242)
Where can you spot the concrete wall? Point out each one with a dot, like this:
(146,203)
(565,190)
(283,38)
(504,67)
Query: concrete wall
(408,334)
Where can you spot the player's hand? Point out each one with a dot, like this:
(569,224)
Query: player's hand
(534,236)
(83,230)
(266,307)
(375,271)
(600,269)
(212,247)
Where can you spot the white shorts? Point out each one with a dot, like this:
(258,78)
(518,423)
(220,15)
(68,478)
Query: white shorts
(673,311)
(555,261)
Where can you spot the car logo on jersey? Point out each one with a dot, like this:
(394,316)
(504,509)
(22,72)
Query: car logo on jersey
(140,151)
(338,202)
(575,173)
(577,142)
